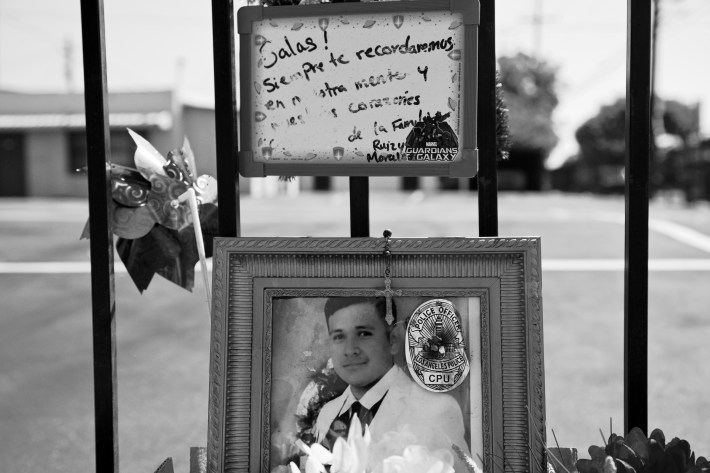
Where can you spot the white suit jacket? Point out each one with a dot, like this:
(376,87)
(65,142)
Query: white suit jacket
(435,419)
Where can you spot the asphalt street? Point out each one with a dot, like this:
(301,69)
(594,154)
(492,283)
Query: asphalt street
(46,397)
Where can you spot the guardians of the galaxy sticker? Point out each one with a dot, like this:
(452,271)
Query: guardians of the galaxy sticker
(431,139)
(435,350)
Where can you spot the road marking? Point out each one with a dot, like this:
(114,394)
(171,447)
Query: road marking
(62,267)
(681,233)
(669,264)
(672,230)
(549,265)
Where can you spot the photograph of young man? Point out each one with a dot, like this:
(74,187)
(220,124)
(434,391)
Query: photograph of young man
(379,392)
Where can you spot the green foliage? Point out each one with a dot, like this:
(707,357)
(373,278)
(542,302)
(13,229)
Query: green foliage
(602,139)
(637,454)
(529,90)
(502,122)
(680,119)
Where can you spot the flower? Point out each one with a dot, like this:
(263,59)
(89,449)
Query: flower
(357,454)
(352,456)
(418,459)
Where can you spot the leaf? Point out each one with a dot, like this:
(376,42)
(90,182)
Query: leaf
(663,464)
(610,465)
(637,440)
(655,451)
(585,465)
(597,453)
(659,437)
(680,453)
(621,451)
(623,467)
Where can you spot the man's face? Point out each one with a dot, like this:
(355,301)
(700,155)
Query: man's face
(360,347)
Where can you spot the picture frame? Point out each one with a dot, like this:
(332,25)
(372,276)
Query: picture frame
(358,89)
(268,328)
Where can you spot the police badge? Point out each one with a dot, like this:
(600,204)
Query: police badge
(435,349)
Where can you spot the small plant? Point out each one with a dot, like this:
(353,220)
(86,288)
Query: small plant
(637,453)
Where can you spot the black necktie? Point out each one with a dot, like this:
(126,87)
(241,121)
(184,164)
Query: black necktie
(341,424)
(364,414)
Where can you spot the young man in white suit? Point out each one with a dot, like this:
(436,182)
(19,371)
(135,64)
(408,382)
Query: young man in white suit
(380,392)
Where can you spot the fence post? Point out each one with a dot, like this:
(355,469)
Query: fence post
(101,242)
(639,65)
(225,107)
(487,154)
(359,206)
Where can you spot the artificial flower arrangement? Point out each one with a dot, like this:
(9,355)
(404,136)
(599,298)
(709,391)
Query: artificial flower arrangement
(153,218)
(395,453)
(637,453)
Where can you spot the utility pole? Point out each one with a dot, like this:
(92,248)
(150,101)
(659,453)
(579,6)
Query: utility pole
(69,64)
(537,21)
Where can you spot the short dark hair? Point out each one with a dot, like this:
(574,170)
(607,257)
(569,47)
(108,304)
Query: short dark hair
(334,304)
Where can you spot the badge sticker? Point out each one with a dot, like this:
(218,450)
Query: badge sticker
(435,350)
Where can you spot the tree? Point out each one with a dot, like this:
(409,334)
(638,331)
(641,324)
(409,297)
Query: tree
(529,91)
(528,86)
(680,120)
(602,138)
(602,145)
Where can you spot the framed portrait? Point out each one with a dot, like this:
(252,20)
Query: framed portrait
(368,89)
(463,343)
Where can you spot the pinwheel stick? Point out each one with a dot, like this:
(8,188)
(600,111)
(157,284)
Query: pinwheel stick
(189,195)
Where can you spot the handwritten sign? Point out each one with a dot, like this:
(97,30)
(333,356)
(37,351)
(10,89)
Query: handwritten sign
(358,89)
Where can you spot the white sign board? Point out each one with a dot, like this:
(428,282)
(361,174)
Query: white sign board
(358,89)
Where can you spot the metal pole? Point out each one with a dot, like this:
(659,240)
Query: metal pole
(639,66)
(101,242)
(225,108)
(487,154)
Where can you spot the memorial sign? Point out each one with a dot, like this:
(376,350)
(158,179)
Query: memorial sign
(359,89)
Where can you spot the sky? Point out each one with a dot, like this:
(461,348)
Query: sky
(161,44)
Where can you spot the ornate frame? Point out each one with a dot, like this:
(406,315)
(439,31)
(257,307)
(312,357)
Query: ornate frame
(249,273)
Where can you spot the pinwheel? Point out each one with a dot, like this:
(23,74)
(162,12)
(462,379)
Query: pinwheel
(151,214)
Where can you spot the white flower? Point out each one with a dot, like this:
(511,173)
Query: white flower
(352,456)
(318,457)
(393,454)
(418,459)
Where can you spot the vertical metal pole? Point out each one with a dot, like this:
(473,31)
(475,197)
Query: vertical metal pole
(359,206)
(487,154)
(101,242)
(638,152)
(225,108)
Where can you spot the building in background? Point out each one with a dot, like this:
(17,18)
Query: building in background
(43,144)
(43,137)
